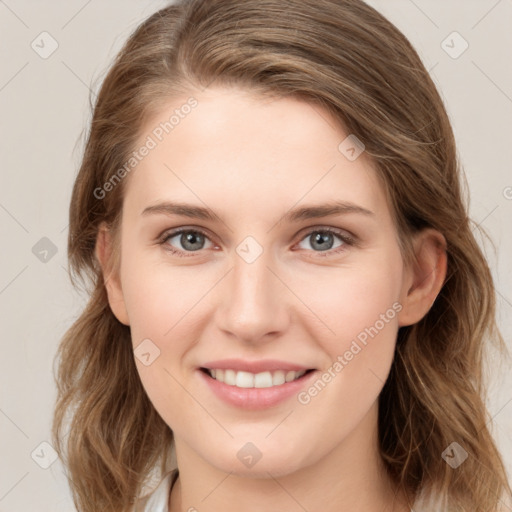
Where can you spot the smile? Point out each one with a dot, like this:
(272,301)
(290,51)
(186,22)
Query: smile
(257,389)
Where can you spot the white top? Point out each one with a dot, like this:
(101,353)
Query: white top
(158,500)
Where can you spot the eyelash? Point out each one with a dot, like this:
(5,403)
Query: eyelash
(347,241)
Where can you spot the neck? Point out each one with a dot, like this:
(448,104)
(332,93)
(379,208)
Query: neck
(350,478)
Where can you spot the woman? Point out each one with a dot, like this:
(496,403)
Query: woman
(289,307)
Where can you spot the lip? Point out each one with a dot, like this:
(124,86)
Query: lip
(253,399)
(264,365)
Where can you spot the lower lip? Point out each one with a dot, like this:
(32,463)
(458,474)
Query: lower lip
(255,398)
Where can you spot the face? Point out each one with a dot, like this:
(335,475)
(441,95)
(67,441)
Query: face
(282,259)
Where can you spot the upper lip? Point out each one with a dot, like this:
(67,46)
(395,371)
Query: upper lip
(262,365)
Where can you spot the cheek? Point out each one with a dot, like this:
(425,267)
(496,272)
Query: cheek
(159,297)
(351,302)
(163,323)
(370,313)
(359,312)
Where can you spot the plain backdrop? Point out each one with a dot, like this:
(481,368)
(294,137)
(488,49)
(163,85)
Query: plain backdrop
(44,105)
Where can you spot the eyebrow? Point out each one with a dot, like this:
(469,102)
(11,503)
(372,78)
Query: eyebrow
(294,215)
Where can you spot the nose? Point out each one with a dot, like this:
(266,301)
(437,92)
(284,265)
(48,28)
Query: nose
(253,305)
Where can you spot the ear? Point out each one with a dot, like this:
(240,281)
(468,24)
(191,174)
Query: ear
(104,252)
(424,277)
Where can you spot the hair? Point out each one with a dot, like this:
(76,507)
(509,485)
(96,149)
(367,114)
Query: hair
(343,56)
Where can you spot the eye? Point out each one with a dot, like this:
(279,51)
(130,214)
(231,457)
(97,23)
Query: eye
(324,240)
(188,240)
(185,241)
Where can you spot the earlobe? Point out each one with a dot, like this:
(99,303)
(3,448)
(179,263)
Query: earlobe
(424,278)
(104,251)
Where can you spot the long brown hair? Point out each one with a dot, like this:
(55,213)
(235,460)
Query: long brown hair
(343,56)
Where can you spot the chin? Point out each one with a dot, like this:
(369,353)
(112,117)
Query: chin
(275,463)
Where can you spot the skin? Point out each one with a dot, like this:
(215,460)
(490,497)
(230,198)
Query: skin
(250,160)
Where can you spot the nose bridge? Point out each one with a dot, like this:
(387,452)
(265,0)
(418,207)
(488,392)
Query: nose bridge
(252,301)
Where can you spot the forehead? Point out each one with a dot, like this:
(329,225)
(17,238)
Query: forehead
(235,149)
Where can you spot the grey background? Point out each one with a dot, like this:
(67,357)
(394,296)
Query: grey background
(44,108)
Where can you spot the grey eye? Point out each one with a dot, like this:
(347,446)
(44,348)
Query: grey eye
(189,240)
(322,240)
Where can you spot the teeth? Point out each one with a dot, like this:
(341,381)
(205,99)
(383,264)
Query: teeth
(290,376)
(263,380)
(229,377)
(258,380)
(244,380)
